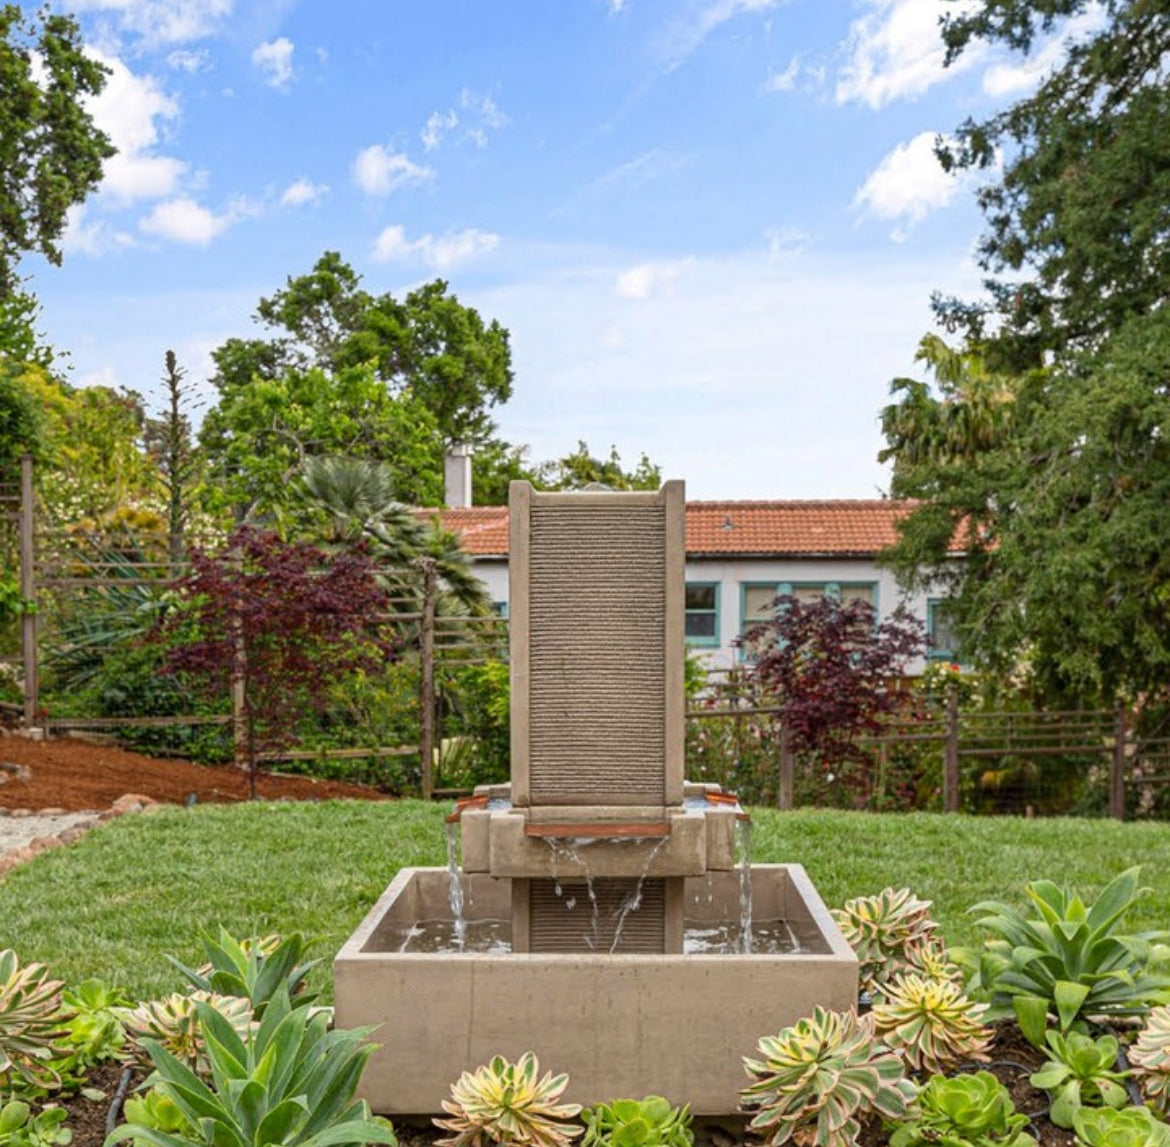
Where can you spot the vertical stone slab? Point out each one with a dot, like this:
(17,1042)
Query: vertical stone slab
(597,647)
(519,641)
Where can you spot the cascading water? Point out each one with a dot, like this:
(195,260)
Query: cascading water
(743,855)
(455,887)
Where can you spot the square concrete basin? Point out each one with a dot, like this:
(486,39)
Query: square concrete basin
(620,1025)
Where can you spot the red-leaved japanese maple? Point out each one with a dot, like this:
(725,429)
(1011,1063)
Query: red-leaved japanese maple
(280,621)
(830,669)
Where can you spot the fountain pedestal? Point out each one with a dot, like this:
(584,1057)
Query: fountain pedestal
(604,923)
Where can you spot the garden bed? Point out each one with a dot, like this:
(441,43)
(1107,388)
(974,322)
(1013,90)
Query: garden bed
(70,775)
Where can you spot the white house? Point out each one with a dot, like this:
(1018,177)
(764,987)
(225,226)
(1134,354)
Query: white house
(741,556)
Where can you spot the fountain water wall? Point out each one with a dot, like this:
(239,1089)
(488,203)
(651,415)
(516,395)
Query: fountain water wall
(605,915)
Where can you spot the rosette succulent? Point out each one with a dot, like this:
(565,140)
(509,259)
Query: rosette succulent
(1129,1127)
(31,1024)
(930,1023)
(815,1080)
(1150,1059)
(173,1023)
(1080,1072)
(504,1102)
(889,933)
(963,1111)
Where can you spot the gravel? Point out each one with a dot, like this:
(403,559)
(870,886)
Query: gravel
(17,831)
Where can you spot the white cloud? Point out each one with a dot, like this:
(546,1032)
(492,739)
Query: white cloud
(440,252)
(302,191)
(189,60)
(784,81)
(106,376)
(130,110)
(274,60)
(185,221)
(687,34)
(616,6)
(163,21)
(1004,79)
(438,125)
(786,241)
(647,279)
(483,106)
(378,172)
(896,51)
(91,237)
(908,184)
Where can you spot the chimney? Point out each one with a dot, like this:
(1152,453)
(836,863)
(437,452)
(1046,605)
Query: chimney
(457,476)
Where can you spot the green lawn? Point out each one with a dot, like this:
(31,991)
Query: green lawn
(114,902)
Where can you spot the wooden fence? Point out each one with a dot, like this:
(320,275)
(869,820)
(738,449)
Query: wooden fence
(55,561)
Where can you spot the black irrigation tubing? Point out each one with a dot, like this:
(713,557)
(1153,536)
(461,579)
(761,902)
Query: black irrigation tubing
(119,1096)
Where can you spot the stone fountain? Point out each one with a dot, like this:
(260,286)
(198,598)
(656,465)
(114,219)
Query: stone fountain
(606,915)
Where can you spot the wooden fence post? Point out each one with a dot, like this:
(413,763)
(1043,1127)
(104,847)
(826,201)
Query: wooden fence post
(28,593)
(786,791)
(951,753)
(1117,764)
(426,687)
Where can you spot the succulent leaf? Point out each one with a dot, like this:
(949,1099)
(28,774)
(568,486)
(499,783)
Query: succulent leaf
(504,1102)
(930,1023)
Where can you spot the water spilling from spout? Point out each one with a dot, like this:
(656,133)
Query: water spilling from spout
(455,886)
(743,855)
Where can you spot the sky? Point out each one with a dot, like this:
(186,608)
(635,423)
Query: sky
(712,227)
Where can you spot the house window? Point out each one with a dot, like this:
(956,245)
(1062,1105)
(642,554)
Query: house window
(702,613)
(757,599)
(944,644)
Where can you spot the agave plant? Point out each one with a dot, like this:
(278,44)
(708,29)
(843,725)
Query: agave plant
(504,1102)
(287,1081)
(888,932)
(963,1111)
(1068,960)
(31,1024)
(1080,1072)
(252,968)
(173,1023)
(930,1023)
(1150,1057)
(817,1078)
(650,1122)
(1129,1127)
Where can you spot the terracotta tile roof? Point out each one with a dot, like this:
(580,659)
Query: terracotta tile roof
(729,528)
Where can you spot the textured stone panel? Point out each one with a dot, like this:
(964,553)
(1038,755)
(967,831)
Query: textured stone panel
(597,617)
(600,917)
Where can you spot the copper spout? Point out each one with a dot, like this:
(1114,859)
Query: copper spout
(721,798)
(463,804)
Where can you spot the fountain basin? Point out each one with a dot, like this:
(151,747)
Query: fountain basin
(620,1025)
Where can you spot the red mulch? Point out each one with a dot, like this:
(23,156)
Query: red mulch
(76,776)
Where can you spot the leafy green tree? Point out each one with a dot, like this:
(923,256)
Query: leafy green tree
(1040,449)
(580,469)
(348,372)
(1077,242)
(260,434)
(51,152)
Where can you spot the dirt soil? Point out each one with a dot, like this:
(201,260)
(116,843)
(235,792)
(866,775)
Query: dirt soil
(74,776)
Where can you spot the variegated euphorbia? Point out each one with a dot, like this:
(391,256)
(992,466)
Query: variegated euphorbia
(817,1079)
(889,932)
(930,1023)
(509,1103)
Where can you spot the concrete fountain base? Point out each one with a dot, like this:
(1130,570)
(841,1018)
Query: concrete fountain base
(620,1025)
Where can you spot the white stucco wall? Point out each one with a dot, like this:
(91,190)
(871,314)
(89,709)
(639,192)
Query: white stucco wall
(731,574)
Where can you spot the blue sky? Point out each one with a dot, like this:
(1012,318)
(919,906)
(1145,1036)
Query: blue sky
(711,226)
